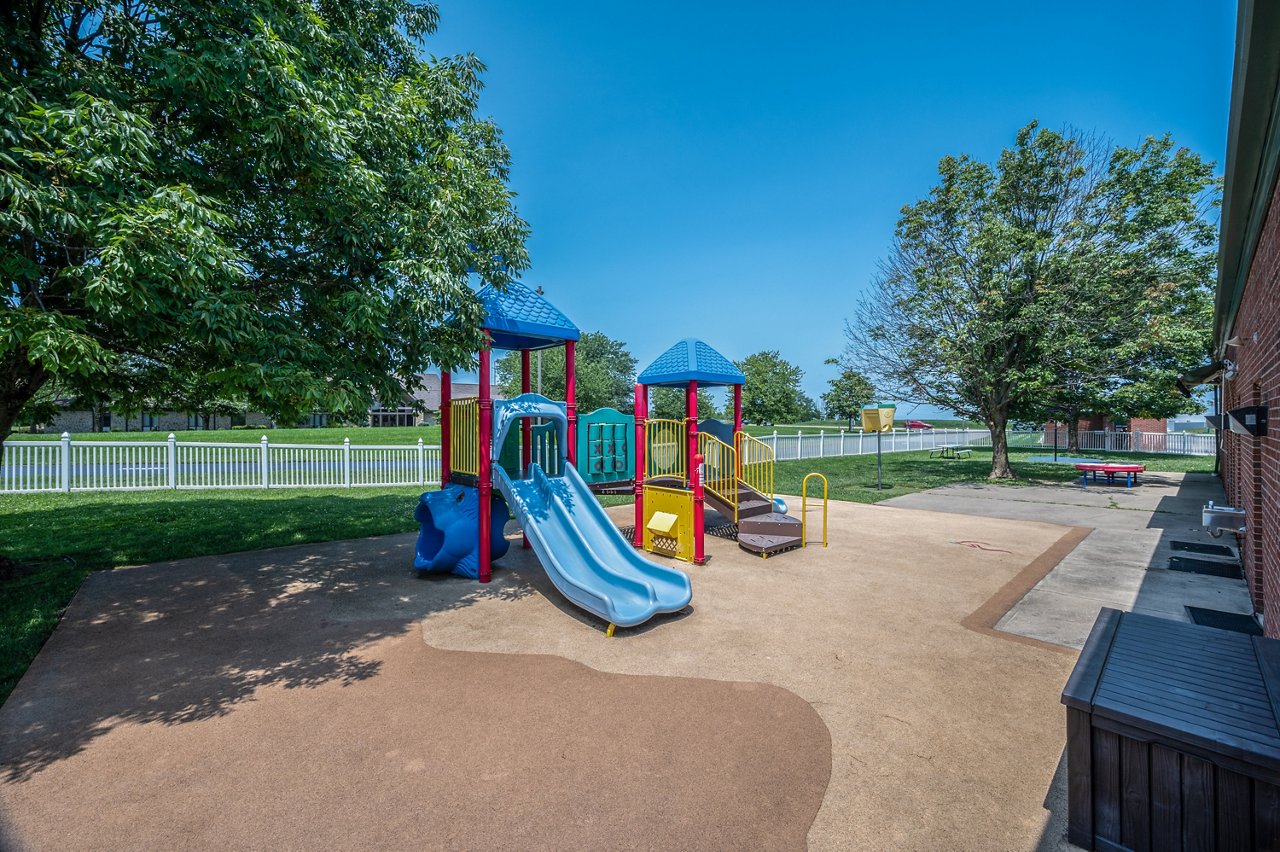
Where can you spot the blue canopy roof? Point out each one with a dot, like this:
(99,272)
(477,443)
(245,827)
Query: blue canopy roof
(691,360)
(519,318)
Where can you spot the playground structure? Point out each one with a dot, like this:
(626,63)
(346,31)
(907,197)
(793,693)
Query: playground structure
(706,462)
(546,464)
(583,553)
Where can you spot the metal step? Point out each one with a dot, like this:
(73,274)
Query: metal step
(767,545)
(752,508)
(771,523)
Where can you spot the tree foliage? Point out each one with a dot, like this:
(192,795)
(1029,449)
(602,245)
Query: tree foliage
(847,393)
(604,373)
(772,392)
(281,198)
(1068,268)
(669,404)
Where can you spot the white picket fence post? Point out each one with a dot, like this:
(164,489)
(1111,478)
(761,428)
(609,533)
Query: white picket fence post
(346,462)
(265,464)
(65,477)
(171,459)
(822,441)
(422,464)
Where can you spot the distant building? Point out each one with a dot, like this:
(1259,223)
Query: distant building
(404,413)
(1102,423)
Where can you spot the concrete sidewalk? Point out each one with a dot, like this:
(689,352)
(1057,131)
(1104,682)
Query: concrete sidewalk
(1123,563)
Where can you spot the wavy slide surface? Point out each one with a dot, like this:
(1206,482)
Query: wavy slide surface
(585,555)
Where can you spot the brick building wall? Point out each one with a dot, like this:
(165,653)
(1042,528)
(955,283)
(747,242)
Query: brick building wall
(1251,466)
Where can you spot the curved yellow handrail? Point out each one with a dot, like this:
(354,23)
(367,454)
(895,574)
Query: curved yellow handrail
(804,509)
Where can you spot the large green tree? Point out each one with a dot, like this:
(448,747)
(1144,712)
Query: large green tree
(604,373)
(278,196)
(772,391)
(986,300)
(847,393)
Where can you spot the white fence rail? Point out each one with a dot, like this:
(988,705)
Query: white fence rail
(67,465)
(811,445)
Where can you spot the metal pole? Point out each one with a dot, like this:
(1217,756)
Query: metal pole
(485,478)
(699,509)
(879,461)
(642,414)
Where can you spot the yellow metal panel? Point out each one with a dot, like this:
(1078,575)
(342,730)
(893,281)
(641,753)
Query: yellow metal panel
(678,503)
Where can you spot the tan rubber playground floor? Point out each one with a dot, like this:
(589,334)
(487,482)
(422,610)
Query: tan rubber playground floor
(322,696)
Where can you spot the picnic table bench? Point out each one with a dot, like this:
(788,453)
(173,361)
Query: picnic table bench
(950,451)
(1110,470)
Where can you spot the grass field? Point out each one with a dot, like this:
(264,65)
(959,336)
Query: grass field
(52,541)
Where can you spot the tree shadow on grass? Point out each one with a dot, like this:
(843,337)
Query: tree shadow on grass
(173,643)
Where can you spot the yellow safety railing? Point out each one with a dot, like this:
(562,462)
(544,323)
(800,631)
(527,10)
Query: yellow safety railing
(719,469)
(666,451)
(755,458)
(464,435)
(804,509)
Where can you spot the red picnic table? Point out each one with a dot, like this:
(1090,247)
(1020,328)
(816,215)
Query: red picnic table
(1130,472)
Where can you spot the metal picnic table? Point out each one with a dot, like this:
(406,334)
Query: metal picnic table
(950,451)
(1130,472)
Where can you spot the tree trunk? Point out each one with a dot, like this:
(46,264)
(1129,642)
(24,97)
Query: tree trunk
(1000,468)
(1073,434)
(20,380)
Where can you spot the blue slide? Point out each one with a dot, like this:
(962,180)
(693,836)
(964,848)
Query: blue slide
(584,553)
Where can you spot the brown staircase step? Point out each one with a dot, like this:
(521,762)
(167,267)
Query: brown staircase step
(771,523)
(751,508)
(767,545)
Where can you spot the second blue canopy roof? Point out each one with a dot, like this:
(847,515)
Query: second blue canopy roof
(691,360)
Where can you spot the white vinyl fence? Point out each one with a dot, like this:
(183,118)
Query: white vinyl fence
(68,465)
(821,444)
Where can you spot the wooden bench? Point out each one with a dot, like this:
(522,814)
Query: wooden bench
(950,451)
(1172,737)
(1130,472)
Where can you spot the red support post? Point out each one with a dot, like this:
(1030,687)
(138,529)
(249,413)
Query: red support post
(642,414)
(526,429)
(691,425)
(699,510)
(737,427)
(486,461)
(737,410)
(446,421)
(570,407)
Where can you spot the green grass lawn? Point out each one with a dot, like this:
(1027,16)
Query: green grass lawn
(853,478)
(327,435)
(52,541)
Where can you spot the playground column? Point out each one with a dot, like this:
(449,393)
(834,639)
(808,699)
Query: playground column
(642,414)
(486,459)
(737,426)
(699,510)
(570,407)
(446,416)
(691,426)
(526,430)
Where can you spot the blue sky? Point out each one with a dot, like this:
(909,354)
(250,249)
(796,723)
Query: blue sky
(734,171)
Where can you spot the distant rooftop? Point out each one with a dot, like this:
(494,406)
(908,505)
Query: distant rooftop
(519,318)
(691,360)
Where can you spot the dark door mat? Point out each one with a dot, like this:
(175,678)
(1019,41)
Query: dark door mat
(1230,570)
(1224,620)
(1206,549)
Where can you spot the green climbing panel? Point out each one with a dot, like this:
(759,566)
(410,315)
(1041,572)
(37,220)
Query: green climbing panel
(605,438)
